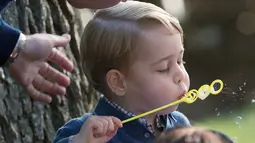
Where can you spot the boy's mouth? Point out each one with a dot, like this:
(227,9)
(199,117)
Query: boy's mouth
(182,95)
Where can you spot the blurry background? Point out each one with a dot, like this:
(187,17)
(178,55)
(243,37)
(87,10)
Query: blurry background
(219,43)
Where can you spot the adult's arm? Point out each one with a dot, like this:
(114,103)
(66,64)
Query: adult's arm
(8,39)
(9,36)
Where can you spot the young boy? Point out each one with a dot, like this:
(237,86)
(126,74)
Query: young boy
(133,54)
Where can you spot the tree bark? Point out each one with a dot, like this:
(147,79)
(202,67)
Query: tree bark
(28,121)
(156,2)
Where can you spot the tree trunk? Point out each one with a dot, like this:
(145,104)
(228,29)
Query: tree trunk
(22,119)
(156,2)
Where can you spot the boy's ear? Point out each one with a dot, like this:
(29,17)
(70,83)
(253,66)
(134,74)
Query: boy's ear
(115,81)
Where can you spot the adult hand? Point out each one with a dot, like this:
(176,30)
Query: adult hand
(33,72)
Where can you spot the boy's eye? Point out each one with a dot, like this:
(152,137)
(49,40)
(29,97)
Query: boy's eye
(164,70)
(181,62)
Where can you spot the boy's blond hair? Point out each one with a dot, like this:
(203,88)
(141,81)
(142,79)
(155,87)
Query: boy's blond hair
(111,37)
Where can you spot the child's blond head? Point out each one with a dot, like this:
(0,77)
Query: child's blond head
(111,38)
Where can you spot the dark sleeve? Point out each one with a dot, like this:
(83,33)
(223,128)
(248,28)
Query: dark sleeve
(8,39)
(70,129)
(4,4)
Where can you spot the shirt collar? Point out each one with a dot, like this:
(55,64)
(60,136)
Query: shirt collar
(160,119)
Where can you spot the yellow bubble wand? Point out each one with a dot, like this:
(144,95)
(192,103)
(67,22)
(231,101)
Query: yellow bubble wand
(203,92)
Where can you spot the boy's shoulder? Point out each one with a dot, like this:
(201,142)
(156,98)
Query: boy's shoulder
(180,118)
(70,128)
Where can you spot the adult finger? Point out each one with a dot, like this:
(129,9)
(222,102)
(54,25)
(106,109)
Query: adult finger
(59,41)
(61,60)
(54,75)
(37,95)
(44,85)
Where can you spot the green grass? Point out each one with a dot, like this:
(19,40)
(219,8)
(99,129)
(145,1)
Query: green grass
(243,130)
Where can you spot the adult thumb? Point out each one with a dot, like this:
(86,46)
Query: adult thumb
(61,41)
(67,36)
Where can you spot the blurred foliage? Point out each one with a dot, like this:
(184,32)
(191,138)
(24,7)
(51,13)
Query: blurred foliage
(239,125)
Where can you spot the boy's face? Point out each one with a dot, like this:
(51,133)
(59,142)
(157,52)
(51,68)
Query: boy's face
(157,75)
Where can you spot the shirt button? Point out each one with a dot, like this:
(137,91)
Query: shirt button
(146,135)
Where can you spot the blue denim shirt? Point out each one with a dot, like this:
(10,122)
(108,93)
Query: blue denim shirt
(132,132)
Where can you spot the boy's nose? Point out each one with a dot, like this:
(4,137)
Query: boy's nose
(179,75)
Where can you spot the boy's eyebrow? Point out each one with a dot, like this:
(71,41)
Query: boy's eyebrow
(167,57)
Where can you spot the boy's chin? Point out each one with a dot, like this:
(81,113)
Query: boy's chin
(168,110)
